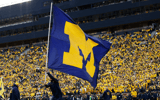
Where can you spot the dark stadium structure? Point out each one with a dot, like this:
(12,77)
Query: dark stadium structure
(28,22)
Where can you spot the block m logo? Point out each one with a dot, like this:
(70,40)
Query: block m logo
(80,54)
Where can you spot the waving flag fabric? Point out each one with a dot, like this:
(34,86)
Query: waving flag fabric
(74,52)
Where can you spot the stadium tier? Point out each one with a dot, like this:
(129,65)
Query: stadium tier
(18,22)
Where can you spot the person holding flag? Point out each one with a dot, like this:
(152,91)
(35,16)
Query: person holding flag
(54,86)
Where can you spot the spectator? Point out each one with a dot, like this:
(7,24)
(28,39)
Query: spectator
(107,94)
(119,96)
(15,95)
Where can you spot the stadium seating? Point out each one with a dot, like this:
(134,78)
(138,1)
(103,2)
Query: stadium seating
(131,63)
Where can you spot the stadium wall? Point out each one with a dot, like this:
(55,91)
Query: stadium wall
(38,12)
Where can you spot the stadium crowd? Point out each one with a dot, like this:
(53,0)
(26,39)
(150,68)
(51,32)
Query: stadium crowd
(129,70)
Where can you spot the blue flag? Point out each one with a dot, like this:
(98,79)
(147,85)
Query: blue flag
(74,52)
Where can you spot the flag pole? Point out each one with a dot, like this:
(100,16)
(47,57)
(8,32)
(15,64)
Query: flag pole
(49,29)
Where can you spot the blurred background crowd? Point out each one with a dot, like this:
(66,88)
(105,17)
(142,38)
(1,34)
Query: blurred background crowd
(131,67)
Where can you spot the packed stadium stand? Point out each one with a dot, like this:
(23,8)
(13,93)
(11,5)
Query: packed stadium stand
(131,67)
(132,63)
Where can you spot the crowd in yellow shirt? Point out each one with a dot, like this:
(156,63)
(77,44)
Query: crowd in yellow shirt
(131,63)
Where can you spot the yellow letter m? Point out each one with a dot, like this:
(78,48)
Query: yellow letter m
(78,45)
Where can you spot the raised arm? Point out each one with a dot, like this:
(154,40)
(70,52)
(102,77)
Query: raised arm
(53,79)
